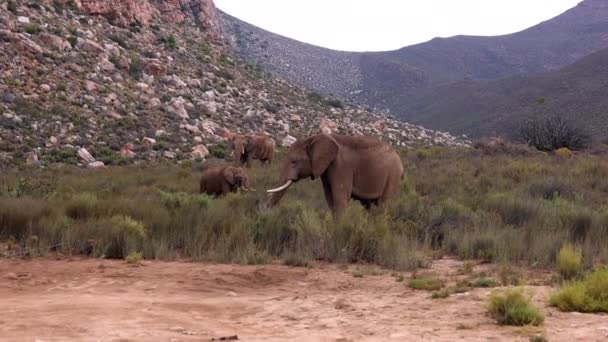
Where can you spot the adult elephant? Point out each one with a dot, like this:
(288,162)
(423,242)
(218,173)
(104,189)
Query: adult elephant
(220,180)
(252,146)
(362,168)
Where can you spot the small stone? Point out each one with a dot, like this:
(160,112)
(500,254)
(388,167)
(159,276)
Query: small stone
(45,87)
(160,133)
(96,165)
(169,155)
(23,20)
(149,142)
(90,86)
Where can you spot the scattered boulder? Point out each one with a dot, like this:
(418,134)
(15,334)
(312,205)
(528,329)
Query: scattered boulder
(85,155)
(88,45)
(177,107)
(127,151)
(148,142)
(288,141)
(96,165)
(199,152)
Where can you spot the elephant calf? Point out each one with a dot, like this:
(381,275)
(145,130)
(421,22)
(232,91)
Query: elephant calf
(220,180)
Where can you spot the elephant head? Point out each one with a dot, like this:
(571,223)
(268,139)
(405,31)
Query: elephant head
(237,178)
(306,158)
(240,144)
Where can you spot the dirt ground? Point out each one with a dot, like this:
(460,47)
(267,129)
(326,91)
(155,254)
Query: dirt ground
(101,300)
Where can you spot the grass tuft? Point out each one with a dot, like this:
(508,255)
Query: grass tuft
(512,308)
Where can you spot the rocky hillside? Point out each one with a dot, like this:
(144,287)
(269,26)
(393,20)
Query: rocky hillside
(395,80)
(104,82)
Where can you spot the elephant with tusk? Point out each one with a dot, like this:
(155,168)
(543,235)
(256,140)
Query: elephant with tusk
(220,180)
(247,147)
(362,168)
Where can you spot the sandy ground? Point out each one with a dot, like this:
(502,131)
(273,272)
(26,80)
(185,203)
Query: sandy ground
(100,300)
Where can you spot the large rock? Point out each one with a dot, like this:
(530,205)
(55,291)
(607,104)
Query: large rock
(85,155)
(177,107)
(199,152)
(54,41)
(31,159)
(89,45)
(149,142)
(154,67)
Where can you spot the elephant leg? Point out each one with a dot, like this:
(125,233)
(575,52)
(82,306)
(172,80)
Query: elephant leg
(341,186)
(248,162)
(327,191)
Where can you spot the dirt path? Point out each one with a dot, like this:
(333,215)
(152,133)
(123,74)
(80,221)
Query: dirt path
(99,300)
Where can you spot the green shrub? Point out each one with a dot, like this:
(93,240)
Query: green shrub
(427,283)
(126,236)
(136,68)
(81,206)
(443,293)
(512,308)
(168,41)
(11,6)
(219,151)
(589,294)
(32,28)
(134,258)
(569,261)
(485,282)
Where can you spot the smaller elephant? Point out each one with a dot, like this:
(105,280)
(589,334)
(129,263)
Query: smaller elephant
(252,146)
(220,180)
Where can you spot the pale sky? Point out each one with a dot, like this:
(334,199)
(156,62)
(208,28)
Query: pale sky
(376,25)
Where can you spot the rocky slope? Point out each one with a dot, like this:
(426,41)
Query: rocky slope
(108,81)
(395,80)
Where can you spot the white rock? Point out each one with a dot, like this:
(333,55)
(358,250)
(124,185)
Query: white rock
(45,87)
(23,20)
(85,155)
(169,155)
(288,141)
(95,165)
(148,141)
(199,152)
(159,133)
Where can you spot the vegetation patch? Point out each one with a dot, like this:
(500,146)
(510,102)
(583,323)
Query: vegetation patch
(589,294)
(569,261)
(426,282)
(511,307)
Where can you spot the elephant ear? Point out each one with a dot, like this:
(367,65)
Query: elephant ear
(323,150)
(228,174)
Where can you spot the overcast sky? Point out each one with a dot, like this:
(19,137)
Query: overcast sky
(376,25)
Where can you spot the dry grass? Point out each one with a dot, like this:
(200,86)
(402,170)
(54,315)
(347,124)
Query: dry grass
(489,208)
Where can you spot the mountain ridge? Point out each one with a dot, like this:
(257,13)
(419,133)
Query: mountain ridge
(392,80)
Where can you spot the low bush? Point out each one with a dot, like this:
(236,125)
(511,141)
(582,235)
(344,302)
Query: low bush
(589,294)
(485,282)
(569,261)
(427,283)
(553,133)
(512,308)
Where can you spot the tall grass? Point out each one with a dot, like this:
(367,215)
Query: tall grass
(493,208)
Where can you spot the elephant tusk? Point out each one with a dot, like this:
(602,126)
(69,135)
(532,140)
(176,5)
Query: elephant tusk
(232,153)
(281,188)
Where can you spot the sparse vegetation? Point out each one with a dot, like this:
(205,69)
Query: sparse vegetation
(569,261)
(511,307)
(554,133)
(589,294)
(427,283)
